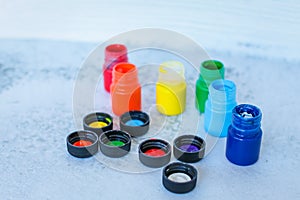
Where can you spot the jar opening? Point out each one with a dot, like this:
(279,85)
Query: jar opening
(212,65)
(247,112)
(116,48)
(124,68)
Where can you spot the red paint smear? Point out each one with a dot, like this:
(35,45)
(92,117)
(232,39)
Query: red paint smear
(82,143)
(155,152)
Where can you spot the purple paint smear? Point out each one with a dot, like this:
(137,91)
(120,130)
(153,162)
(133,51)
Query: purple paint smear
(189,148)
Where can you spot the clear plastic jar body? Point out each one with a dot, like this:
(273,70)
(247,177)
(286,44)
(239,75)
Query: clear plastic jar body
(218,107)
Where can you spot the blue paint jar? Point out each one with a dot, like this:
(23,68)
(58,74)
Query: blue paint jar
(218,107)
(244,135)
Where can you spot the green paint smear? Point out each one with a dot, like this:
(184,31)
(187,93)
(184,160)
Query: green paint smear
(116,143)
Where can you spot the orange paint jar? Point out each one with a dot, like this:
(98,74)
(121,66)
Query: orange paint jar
(125,89)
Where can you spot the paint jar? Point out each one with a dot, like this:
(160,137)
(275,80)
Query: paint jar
(189,148)
(136,123)
(155,153)
(115,143)
(210,70)
(98,122)
(171,88)
(82,144)
(125,89)
(244,135)
(114,54)
(218,108)
(179,177)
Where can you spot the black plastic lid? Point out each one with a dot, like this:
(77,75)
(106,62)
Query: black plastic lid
(179,177)
(115,143)
(155,153)
(136,123)
(98,117)
(189,148)
(82,144)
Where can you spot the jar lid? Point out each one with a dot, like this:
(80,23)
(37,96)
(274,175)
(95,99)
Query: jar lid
(115,143)
(189,148)
(82,144)
(98,122)
(136,123)
(154,153)
(179,177)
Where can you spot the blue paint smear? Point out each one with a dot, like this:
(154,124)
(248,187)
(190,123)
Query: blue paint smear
(134,122)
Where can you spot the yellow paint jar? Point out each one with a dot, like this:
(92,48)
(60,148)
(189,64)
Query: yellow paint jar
(171,88)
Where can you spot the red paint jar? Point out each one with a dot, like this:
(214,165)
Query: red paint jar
(125,89)
(114,54)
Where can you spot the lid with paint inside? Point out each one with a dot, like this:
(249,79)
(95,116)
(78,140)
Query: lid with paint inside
(115,143)
(82,144)
(189,148)
(98,122)
(136,123)
(179,177)
(154,153)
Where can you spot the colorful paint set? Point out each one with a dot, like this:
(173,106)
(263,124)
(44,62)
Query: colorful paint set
(215,98)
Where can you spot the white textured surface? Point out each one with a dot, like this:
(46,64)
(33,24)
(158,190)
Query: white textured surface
(36,115)
(257,41)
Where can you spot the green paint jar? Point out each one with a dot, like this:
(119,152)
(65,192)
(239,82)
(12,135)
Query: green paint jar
(210,70)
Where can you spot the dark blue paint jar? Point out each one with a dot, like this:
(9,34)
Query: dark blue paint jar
(244,135)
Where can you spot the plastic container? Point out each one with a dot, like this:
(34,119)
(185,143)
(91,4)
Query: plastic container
(125,89)
(218,108)
(114,54)
(171,88)
(244,135)
(210,70)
